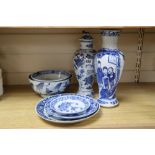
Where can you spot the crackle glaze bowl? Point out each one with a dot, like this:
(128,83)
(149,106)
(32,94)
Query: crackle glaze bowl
(50,82)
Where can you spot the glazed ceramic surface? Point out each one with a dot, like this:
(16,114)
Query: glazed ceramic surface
(50,82)
(109,63)
(69,104)
(83,62)
(93,107)
(40,110)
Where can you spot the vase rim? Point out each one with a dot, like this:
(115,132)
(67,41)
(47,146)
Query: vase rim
(110,32)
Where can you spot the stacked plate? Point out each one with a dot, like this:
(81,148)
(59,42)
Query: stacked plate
(67,108)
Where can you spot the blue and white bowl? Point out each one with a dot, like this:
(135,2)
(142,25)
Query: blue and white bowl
(50,82)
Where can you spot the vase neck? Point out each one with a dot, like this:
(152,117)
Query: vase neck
(109,42)
(86,44)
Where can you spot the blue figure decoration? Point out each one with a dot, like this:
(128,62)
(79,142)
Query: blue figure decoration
(99,73)
(109,63)
(84,65)
(111,77)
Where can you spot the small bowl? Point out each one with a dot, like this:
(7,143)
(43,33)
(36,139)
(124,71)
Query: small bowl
(50,82)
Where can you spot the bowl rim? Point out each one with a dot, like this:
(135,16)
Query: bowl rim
(58,71)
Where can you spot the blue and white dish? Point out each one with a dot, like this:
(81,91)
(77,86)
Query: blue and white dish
(40,110)
(49,82)
(69,104)
(93,107)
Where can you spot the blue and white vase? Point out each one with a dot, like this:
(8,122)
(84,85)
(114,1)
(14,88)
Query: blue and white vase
(83,62)
(109,63)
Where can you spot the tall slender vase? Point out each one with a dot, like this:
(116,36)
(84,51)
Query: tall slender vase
(84,65)
(109,63)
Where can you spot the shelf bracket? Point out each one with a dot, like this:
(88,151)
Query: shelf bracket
(139,54)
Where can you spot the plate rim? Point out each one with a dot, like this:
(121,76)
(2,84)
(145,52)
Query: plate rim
(67,121)
(72,117)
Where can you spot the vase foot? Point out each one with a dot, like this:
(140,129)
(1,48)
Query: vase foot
(108,102)
(86,93)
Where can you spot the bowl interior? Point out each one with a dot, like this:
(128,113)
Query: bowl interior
(50,75)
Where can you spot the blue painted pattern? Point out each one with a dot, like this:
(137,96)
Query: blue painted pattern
(110,32)
(70,104)
(83,63)
(84,69)
(108,72)
(50,87)
(44,111)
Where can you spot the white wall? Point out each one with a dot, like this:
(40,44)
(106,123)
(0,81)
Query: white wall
(22,54)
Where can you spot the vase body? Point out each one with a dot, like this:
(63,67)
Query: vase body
(83,62)
(109,63)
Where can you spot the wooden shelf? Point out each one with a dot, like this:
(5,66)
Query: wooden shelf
(136,109)
(69,29)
